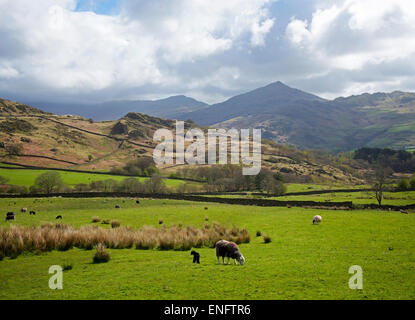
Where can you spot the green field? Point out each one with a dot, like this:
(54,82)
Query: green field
(304,187)
(390,198)
(303,261)
(27,177)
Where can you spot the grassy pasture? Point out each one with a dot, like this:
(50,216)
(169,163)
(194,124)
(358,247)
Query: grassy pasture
(304,187)
(391,198)
(27,177)
(303,261)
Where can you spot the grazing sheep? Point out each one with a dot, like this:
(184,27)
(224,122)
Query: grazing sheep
(32,213)
(117,206)
(10,216)
(137,202)
(230,250)
(59,218)
(196,257)
(23,210)
(317,219)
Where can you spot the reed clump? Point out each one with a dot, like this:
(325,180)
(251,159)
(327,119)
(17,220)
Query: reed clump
(17,239)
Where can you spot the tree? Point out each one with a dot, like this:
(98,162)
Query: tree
(3,180)
(155,185)
(380,180)
(403,185)
(131,185)
(141,166)
(412,183)
(49,182)
(110,185)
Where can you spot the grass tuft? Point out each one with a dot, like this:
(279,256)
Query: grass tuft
(101,255)
(115,224)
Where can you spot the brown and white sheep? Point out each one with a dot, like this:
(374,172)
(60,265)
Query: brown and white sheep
(227,249)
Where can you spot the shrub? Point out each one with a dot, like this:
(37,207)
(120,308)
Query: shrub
(267,239)
(96,219)
(206,218)
(115,224)
(403,185)
(161,221)
(258,233)
(106,221)
(101,254)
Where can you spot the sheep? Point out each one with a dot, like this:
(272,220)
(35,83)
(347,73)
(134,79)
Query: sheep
(59,218)
(32,213)
(23,210)
(317,219)
(10,216)
(137,202)
(230,250)
(196,257)
(117,206)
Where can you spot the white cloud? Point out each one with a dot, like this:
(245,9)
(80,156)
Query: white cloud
(358,37)
(352,34)
(83,52)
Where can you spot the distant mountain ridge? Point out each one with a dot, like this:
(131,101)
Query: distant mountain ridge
(110,110)
(285,115)
(291,116)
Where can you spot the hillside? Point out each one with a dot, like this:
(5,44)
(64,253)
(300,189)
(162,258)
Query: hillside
(49,140)
(291,116)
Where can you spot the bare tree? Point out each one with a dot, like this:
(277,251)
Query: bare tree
(382,173)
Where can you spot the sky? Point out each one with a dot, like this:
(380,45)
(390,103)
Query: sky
(211,50)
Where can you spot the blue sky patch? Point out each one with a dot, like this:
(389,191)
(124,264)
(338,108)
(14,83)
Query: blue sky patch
(106,7)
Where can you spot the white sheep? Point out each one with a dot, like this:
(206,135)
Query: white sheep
(227,249)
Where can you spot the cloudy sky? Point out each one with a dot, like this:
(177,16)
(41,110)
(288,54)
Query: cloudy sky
(97,50)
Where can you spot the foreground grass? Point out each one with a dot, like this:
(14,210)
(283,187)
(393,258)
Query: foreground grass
(302,261)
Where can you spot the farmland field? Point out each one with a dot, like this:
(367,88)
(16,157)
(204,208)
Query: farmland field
(27,178)
(303,261)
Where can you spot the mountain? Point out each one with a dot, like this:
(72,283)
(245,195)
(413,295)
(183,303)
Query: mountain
(110,110)
(67,141)
(291,116)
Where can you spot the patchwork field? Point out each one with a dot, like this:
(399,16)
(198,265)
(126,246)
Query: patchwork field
(303,261)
